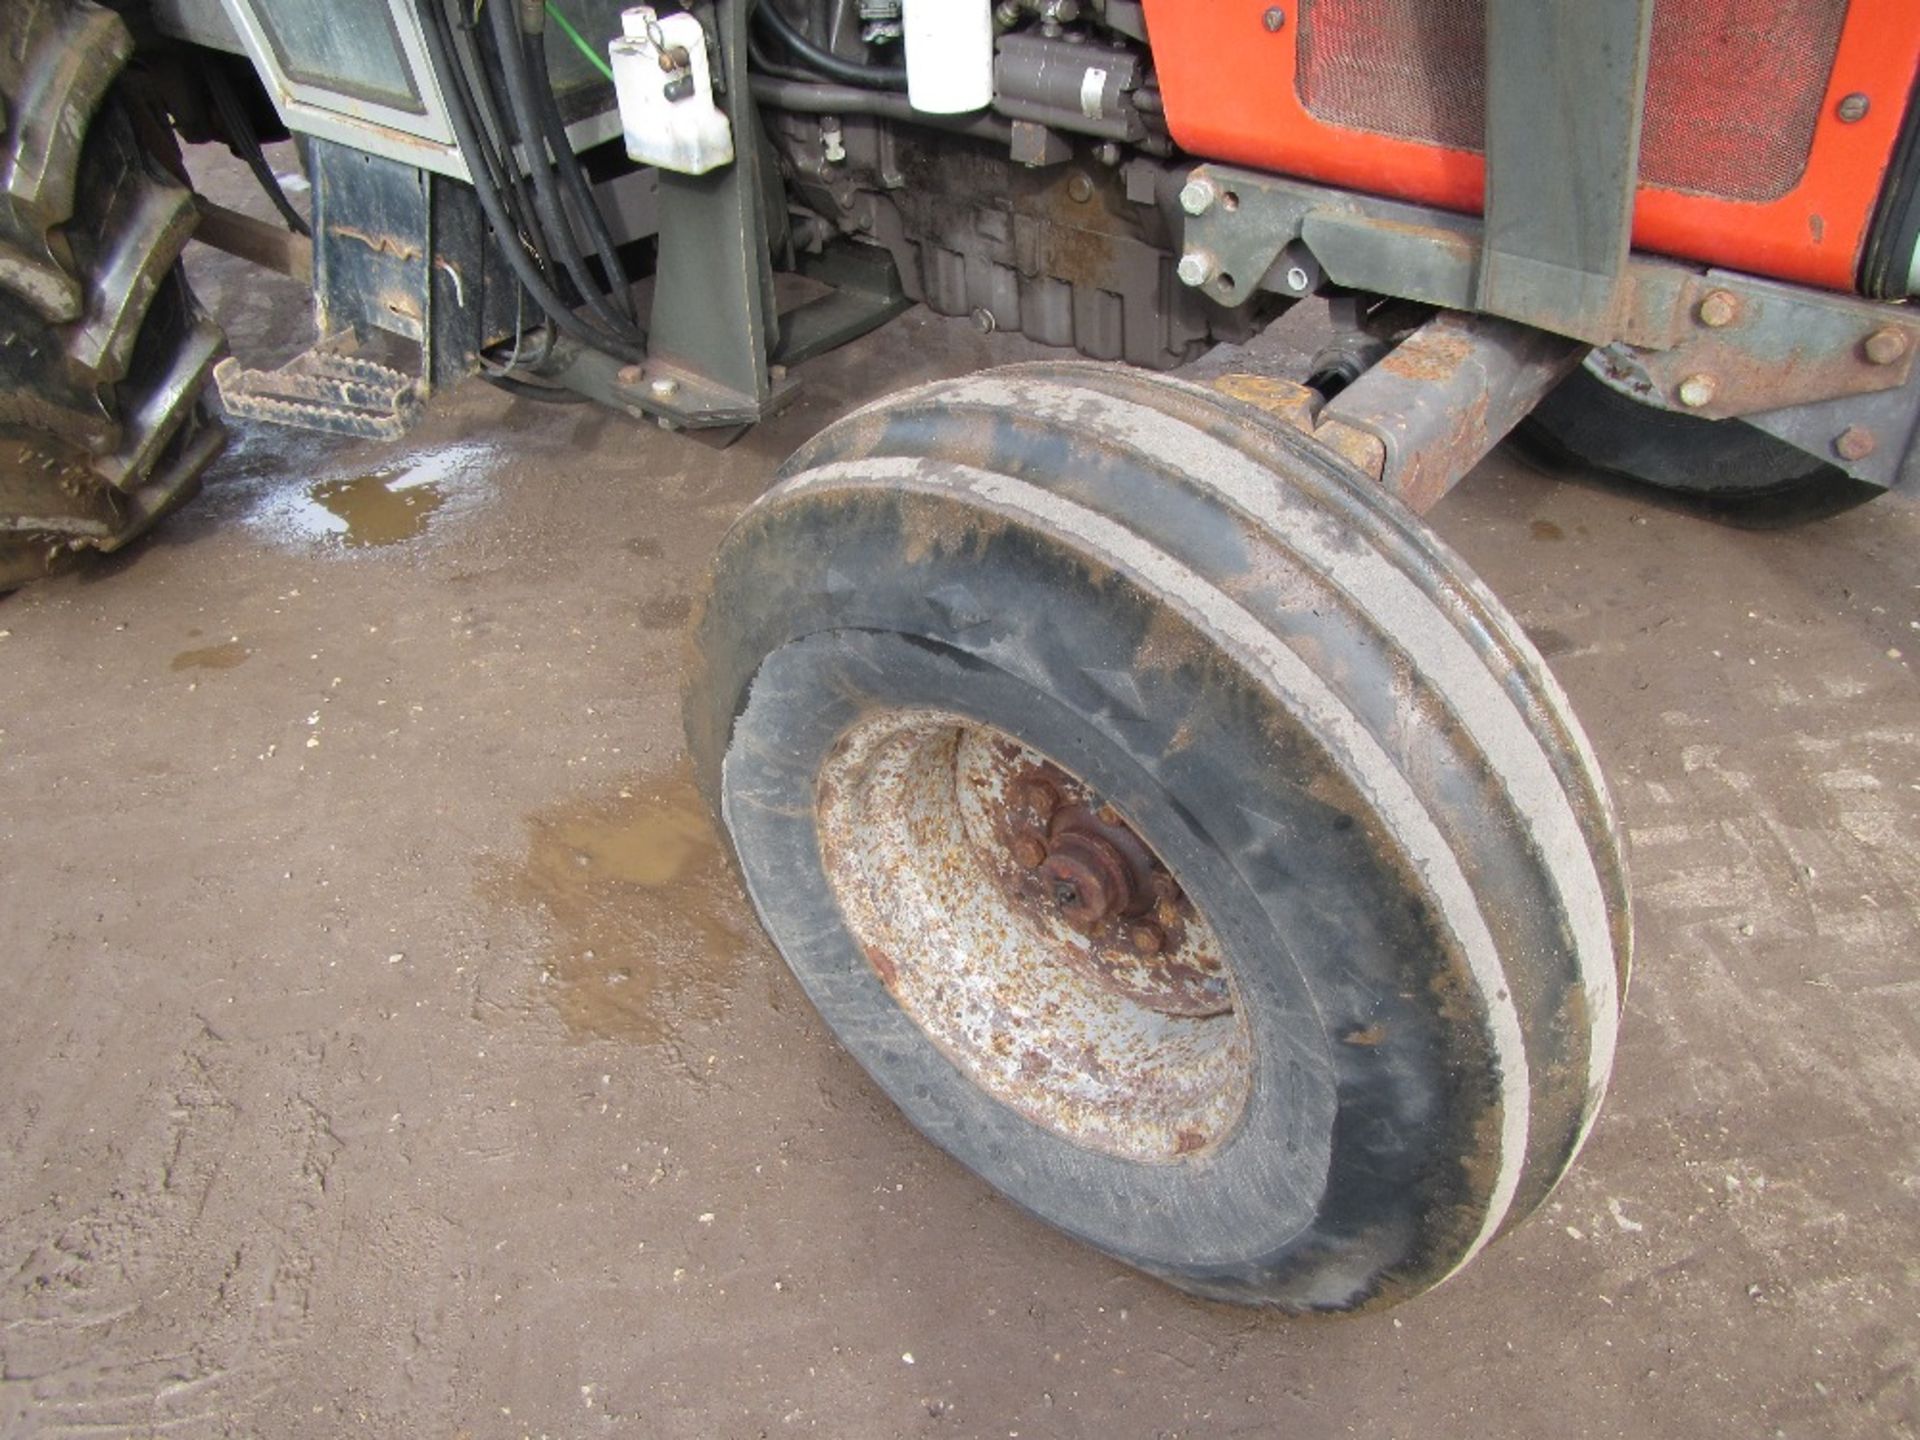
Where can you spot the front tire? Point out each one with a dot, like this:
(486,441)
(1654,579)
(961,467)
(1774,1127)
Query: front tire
(1377,1013)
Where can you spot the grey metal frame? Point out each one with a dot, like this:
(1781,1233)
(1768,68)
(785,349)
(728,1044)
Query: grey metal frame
(1710,343)
(1566,88)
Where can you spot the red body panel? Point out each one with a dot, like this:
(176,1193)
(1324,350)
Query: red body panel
(1233,91)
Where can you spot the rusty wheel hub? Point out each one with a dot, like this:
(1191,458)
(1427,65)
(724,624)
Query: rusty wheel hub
(1033,934)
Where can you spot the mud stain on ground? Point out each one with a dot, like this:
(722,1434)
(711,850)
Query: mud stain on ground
(646,924)
(1547,530)
(211,657)
(377,509)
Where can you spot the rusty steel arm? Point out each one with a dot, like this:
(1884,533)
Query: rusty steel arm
(1444,397)
(1421,417)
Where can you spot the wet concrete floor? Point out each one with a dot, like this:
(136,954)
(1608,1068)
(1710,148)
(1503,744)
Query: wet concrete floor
(387,1051)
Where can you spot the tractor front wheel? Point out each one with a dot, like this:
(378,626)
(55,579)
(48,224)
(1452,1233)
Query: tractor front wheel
(1171,826)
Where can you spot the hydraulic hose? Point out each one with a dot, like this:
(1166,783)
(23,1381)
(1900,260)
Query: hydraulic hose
(834,67)
(438,36)
(525,109)
(554,126)
(810,99)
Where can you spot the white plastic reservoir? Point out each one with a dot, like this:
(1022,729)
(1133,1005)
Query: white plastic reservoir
(667,108)
(949,55)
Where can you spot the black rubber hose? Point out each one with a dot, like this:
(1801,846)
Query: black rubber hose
(440,51)
(809,99)
(836,67)
(483,107)
(502,129)
(574,178)
(525,110)
(245,141)
(545,394)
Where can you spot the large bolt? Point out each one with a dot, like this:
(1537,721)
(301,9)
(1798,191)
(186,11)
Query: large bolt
(1719,308)
(1147,938)
(1030,851)
(1853,443)
(1040,796)
(1852,108)
(1080,188)
(1197,267)
(665,388)
(1275,19)
(1197,195)
(1696,390)
(1884,347)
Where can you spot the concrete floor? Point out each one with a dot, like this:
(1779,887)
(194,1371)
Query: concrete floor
(386,1050)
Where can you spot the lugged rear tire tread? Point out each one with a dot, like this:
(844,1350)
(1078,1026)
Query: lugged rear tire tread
(105,357)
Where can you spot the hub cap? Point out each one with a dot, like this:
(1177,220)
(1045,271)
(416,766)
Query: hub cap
(1033,935)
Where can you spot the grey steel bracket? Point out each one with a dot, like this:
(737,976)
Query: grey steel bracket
(1703,342)
(712,327)
(670,395)
(1566,85)
(866,294)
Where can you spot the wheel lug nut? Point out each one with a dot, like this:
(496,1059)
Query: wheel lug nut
(1040,797)
(1147,938)
(1030,851)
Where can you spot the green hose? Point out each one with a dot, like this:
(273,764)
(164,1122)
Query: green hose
(579,42)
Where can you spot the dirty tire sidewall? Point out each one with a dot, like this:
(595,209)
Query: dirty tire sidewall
(1344,1182)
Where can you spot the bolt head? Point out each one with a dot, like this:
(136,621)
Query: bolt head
(1853,443)
(1080,188)
(1853,108)
(1719,308)
(628,375)
(1196,267)
(1030,851)
(665,388)
(1147,938)
(1696,390)
(1884,347)
(1197,195)
(1039,796)
(1298,280)
(1275,19)
(984,322)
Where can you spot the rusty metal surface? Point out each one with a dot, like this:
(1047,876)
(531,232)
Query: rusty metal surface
(1756,344)
(323,390)
(1719,345)
(1421,417)
(1447,395)
(1033,936)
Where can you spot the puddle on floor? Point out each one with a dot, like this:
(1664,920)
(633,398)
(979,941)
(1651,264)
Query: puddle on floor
(646,922)
(388,506)
(378,509)
(211,657)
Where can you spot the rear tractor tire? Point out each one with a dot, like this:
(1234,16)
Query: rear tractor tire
(1171,826)
(1726,470)
(104,356)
